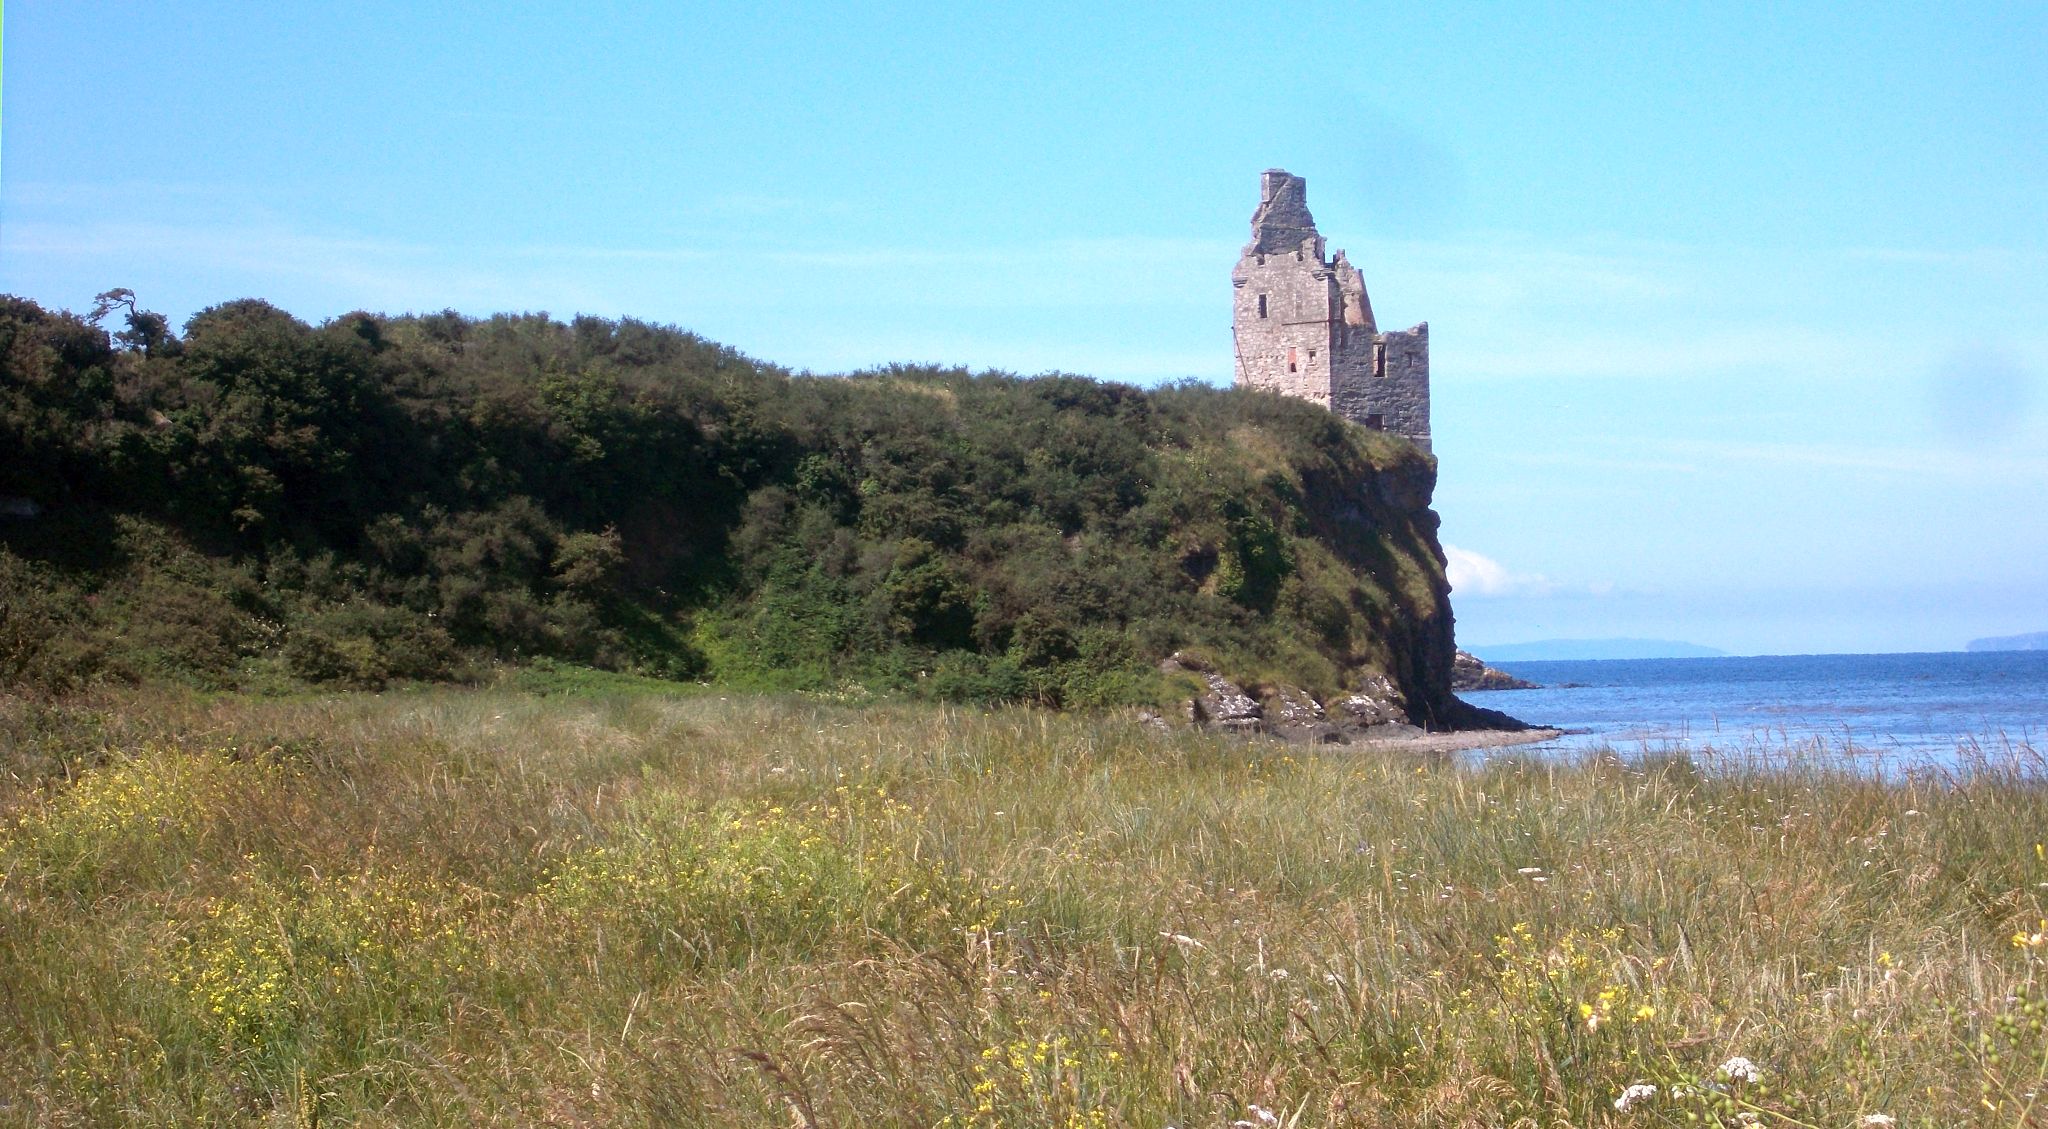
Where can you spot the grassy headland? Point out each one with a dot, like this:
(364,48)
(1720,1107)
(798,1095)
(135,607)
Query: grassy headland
(462,908)
(263,504)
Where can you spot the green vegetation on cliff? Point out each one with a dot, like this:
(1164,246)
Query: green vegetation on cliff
(263,503)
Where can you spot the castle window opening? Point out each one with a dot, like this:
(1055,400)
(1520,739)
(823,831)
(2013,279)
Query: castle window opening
(1377,423)
(1379,360)
(1290,360)
(1262,305)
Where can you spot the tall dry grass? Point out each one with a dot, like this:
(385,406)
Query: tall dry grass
(473,908)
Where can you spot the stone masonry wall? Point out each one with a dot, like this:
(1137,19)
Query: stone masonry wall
(1304,325)
(1389,388)
(1283,308)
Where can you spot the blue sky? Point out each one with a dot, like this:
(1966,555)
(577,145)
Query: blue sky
(1739,315)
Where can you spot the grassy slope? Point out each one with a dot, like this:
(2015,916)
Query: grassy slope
(469,908)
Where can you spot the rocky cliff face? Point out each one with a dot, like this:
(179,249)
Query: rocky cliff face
(1368,507)
(1382,524)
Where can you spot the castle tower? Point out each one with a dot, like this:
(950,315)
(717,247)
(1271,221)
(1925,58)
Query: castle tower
(1304,326)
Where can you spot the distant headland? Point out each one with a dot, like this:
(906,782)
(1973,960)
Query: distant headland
(2035,641)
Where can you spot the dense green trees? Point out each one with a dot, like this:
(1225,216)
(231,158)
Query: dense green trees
(259,502)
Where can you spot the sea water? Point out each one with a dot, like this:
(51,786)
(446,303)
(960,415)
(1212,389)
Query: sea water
(1946,709)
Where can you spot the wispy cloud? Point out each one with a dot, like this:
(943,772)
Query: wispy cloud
(2015,463)
(1081,266)
(2003,258)
(1029,307)
(1508,307)
(1667,352)
(1477,575)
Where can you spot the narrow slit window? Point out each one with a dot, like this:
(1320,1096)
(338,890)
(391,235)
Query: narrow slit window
(1291,366)
(1379,360)
(1262,305)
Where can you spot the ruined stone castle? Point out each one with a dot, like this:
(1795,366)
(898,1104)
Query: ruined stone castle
(1304,325)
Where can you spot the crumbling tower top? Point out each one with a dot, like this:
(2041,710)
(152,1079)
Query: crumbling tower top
(1283,219)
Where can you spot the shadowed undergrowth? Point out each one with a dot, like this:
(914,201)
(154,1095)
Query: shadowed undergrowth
(486,908)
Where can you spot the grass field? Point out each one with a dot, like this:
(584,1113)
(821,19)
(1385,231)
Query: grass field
(471,908)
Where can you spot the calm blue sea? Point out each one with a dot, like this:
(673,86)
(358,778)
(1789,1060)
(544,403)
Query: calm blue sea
(1946,708)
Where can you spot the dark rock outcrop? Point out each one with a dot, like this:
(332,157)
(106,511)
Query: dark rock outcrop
(1374,702)
(1376,709)
(1470,672)
(1296,717)
(1223,704)
(1293,706)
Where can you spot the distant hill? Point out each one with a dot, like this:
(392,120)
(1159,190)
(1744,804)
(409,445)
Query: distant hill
(2037,641)
(1547,649)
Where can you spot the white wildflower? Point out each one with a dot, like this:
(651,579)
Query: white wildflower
(1639,1092)
(1879,1120)
(1740,1069)
(1529,870)
(1183,940)
(1265,1116)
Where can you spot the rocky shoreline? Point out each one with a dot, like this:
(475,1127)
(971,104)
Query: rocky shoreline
(1375,713)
